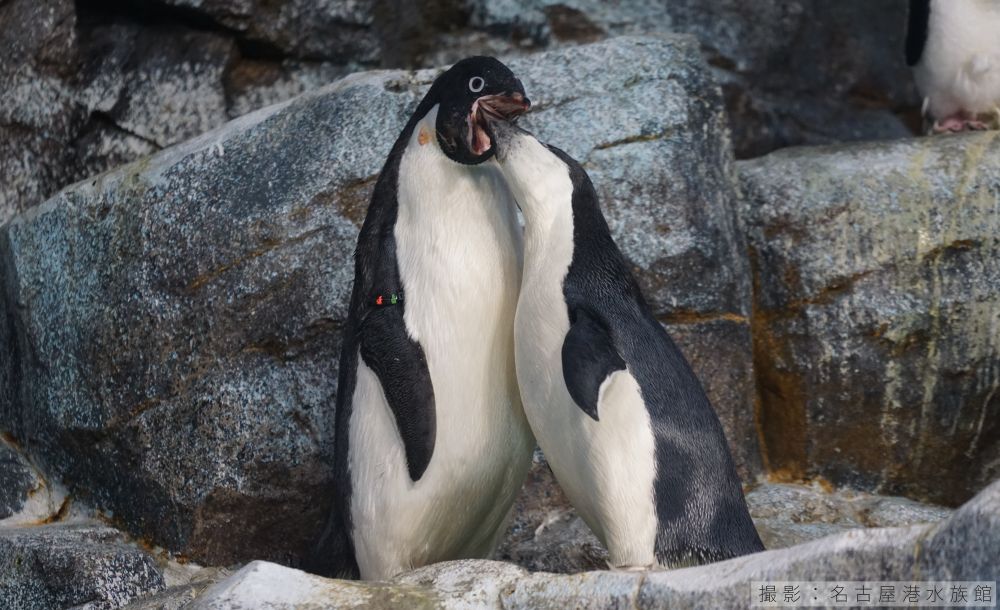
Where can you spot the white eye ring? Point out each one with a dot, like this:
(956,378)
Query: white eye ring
(476,84)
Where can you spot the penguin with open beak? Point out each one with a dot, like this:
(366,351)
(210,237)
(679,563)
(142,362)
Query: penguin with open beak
(431,441)
(953,47)
(618,412)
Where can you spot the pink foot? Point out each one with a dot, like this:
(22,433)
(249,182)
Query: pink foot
(951,124)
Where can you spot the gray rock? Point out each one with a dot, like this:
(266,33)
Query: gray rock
(960,548)
(18,480)
(179,596)
(92,85)
(85,93)
(173,326)
(338,30)
(806,72)
(546,534)
(266,585)
(876,329)
(786,515)
(62,566)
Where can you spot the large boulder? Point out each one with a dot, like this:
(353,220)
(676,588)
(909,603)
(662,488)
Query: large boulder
(804,72)
(89,85)
(84,91)
(18,480)
(963,548)
(877,313)
(172,327)
(71,565)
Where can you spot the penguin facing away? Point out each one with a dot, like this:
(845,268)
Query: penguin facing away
(615,407)
(431,440)
(953,47)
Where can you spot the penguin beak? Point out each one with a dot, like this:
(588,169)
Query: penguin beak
(505,107)
(492,107)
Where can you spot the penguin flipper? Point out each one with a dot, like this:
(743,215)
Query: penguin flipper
(401,367)
(588,358)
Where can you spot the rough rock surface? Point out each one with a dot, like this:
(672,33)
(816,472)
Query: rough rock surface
(960,548)
(69,565)
(877,313)
(548,536)
(90,84)
(793,72)
(18,480)
(84,91)
(786,515)
(173,325)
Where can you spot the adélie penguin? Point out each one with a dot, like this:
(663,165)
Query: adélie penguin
(431,441)
(953,47)
(615,407)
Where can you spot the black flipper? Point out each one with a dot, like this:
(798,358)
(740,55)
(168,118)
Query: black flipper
(916,30)
(401,368)
(588,357)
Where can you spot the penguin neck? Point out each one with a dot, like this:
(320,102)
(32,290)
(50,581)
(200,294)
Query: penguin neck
(541,184)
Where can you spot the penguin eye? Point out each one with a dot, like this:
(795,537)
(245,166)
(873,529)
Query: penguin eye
(476,84)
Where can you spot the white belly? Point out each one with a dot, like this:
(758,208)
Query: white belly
(960,66)
(607,467)
(459,253)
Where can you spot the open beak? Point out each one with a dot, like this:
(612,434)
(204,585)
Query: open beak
(492,108)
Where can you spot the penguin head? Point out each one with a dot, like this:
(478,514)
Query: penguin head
(467,95)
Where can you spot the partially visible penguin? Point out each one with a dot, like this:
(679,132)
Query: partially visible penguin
(615,407)
(953,47)
(431,440)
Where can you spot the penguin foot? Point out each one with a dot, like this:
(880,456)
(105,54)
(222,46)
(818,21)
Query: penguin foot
(952,124)
(961,121)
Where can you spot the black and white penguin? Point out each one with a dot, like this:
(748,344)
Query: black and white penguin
(431,440)
(953,47)
(615,407)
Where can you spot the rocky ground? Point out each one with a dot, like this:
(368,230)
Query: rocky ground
(169,325)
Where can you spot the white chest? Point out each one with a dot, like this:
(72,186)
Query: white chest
(542,319)
(458,249)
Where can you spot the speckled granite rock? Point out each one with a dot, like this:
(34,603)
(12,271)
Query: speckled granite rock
(786,515)
(63,566)
(877,314)
(546,534)
(18,480)
(173,326)
(960,548)
(84,92)
(805,72)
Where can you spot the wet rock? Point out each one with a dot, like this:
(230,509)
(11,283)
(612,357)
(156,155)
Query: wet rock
(876,327)
(62,566)
(174,325)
